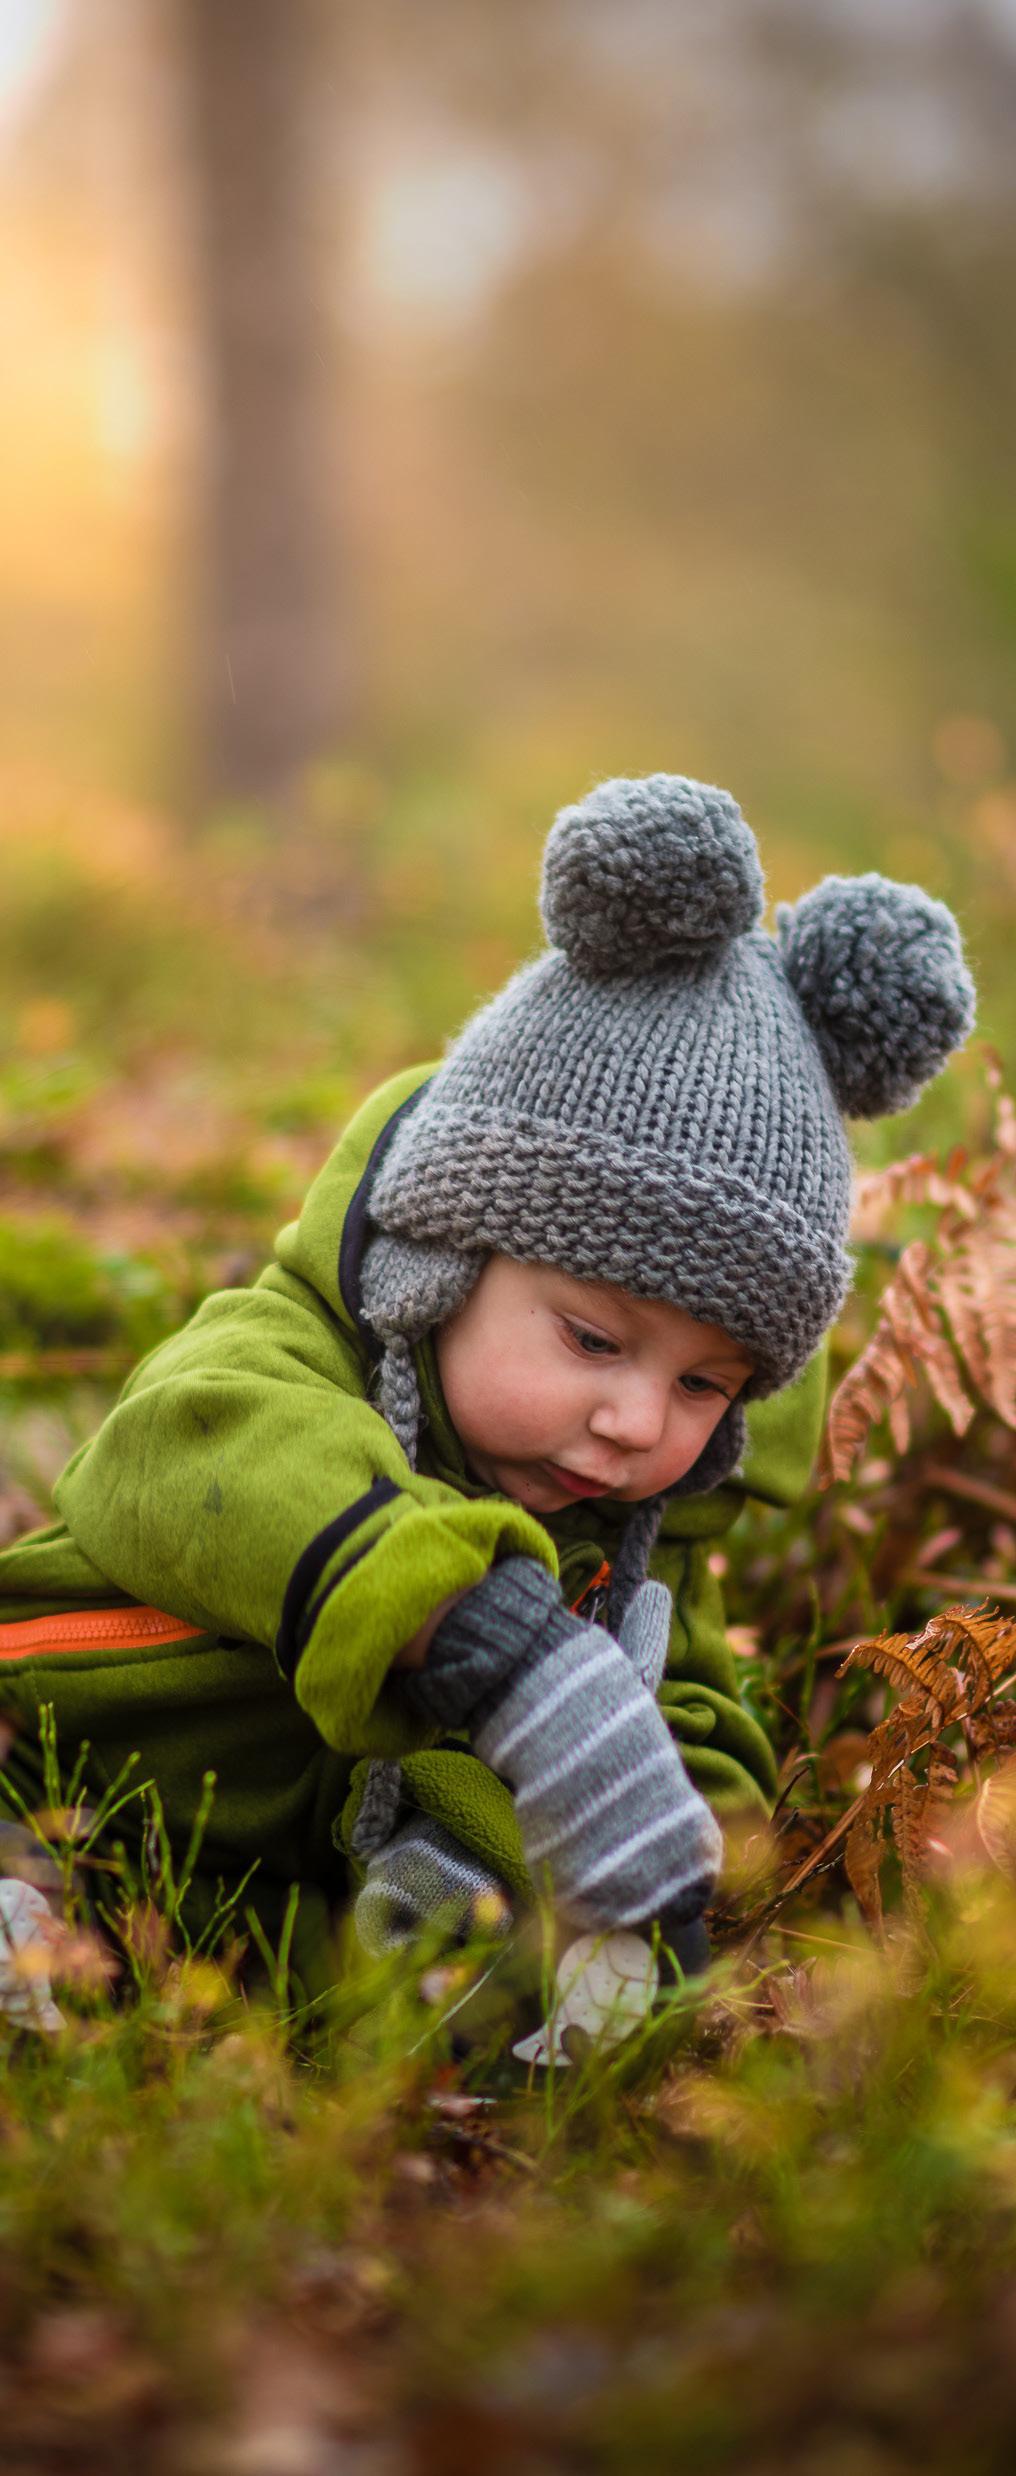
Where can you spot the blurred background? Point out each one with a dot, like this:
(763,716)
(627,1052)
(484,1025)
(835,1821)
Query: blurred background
(409,416)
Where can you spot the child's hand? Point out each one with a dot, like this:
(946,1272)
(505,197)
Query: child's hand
(605,1808)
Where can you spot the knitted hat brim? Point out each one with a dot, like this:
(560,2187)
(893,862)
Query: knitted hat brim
(625,1217)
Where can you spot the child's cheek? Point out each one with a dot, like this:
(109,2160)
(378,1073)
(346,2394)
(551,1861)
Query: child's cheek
(514,1405)
(507,1411)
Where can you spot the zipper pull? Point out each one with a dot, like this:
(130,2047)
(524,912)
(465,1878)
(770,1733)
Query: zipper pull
(592,1599)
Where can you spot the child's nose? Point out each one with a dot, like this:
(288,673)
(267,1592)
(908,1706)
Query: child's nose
(634,1418)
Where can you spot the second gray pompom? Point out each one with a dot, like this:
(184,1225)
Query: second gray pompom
(649,871)
(878,971)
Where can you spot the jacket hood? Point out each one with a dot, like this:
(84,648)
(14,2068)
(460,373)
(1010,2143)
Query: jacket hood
(326,1245)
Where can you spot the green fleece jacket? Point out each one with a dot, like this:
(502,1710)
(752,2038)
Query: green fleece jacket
(243,1548)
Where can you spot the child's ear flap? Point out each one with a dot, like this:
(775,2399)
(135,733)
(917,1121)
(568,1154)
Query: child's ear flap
(878,971)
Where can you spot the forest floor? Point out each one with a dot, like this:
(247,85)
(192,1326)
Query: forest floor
(776,2231)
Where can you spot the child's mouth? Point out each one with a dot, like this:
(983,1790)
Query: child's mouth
(575,1486)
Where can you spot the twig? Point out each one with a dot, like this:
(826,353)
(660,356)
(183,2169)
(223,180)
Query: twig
(460,2137)
(962,1584)
(813,1863)
(825,1650)
(829,1941)
(977,1491)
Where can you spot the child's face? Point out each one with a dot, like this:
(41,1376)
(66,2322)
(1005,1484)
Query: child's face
(543,1374)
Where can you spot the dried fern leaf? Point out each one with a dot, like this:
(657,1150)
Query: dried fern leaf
(942,1782)
(879,1194)
(977,1641)
(949,1311)
(860,1653)
(920,1327)
(976,1283)
(908,1807)
(875,1384)
(914,1667)
(863,1858)
(910,1335)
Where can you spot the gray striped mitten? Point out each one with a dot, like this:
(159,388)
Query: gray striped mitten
(606,1811)
(420,1874)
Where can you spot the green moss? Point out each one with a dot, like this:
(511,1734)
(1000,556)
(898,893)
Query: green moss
(57,1292)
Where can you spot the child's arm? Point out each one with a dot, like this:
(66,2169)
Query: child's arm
(245,1483)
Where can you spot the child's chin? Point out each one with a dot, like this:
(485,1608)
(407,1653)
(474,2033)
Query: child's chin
(534,1488)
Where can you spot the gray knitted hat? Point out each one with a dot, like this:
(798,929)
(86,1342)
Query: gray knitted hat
(658,1100)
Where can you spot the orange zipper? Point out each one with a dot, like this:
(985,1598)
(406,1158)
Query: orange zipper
(138,1629)
(600,1581)
(86,1629)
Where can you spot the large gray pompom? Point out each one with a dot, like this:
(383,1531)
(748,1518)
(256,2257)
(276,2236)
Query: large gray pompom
(648,871)
(879,973)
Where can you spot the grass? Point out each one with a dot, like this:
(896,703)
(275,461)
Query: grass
(801,2241)
(776,2232)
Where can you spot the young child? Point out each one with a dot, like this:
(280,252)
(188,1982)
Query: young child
(361,1539)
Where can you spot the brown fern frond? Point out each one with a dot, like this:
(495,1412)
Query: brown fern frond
(976,1283)
(913,1665)
(906,1731)
(977,1641)
(872,1388)
(879,1194)
(947,1674)
(863,1857)
(919,1326)
(949,1310)
(910,1335)
(908,1807)
(942,1782)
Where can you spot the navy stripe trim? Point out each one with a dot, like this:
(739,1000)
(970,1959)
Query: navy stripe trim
(297,1616)
(354,1227)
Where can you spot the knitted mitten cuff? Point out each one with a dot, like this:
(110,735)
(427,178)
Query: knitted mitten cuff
(516,1614)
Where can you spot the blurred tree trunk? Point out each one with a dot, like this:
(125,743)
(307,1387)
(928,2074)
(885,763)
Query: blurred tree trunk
(270,668)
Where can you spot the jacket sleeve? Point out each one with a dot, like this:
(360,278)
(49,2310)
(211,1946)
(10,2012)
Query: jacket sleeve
(245,1483)
(726,1752)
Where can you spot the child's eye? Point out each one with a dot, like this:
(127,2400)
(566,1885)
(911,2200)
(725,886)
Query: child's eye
(701,1384)
(599,1344)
